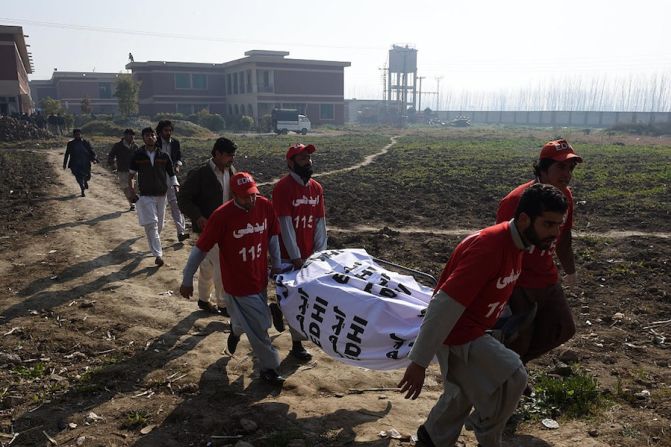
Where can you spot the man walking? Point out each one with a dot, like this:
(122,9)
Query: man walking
(122,152)
(538,286)
(155,177)
(78,157)
(206,188)
(478,371)
(171,147)
(298,200)
(246,230)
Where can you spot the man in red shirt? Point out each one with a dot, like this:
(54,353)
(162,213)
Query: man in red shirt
(246,231)
(471,293)
(298,200)
(538,286)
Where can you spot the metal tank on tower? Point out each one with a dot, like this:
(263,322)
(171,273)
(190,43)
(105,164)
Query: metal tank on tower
(402,79)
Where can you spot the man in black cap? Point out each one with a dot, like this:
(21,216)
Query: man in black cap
(122,152)
(206,188)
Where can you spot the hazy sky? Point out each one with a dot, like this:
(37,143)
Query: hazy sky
(472,44)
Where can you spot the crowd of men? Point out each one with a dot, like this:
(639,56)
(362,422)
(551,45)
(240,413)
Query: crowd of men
(504,269)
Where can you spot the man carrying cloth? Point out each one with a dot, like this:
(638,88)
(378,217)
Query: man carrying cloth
(298,200)
(538,285)
(246,231)
(478,371)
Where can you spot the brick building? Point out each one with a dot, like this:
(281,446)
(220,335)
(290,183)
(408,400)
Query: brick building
(71,87)
(252,85)
(15,66)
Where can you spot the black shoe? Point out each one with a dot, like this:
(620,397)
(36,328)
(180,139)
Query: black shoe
(86,185)
(224,312)
(83,195)
(271,376)
(300,353)
(278,318)
(159,261)
(132,207)
(183,236)
(232,342)
(424,438)
(208,307)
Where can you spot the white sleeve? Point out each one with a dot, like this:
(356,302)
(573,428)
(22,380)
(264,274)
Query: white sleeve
(195,258)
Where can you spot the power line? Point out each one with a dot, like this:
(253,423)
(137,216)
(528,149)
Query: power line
(101,29)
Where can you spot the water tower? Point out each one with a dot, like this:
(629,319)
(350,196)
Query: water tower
(401,91)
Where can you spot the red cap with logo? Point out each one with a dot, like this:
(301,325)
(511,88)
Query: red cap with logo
(243,184)
(298,148)
(559,150)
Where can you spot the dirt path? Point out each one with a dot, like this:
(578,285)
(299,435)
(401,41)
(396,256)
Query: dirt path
(84,286)
(612,234)
(366,161)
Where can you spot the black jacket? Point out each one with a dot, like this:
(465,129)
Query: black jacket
(79,160)
(122,154)
(201,194)
(151,179)
(175,150)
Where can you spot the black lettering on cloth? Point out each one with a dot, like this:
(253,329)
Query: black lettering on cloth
(284,290)
(388,293)
(356,329)
(340,278)
(319,308)
(384,280)
(326,255)
(349,269)
(334,342)
(403,288)
(315,332)
(340,316)
(304,298)
(365,273)
(301,321)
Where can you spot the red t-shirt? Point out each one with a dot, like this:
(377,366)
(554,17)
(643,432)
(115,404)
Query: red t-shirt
(304,204)
(538,267)
(243,244)
(481,274)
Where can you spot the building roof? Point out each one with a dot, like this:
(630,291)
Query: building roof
(251,56)
(19,40)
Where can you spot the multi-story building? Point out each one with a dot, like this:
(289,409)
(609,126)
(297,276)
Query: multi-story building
(71,87)
(252,85)
(15,66)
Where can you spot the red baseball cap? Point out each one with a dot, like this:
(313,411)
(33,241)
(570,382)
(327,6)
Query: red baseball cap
(559,150)
(243,184)
(298,148)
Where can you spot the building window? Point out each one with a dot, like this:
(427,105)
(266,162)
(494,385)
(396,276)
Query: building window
(199,81)
(249,81)
(264,81)
(105,90)
(235,83)
(229,84)
(182,80)
(230,109)
(250,110)
(237,110)
(241,80)
(185,109)
(326,112)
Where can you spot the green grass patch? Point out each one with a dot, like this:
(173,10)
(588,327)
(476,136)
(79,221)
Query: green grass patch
(32,372)
(572,397)
(135,419)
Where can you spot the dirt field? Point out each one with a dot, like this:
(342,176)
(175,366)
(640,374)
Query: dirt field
(96,349)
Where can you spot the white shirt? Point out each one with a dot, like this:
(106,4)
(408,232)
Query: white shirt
(224,179)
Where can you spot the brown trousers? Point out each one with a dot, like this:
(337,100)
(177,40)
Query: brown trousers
(552,326)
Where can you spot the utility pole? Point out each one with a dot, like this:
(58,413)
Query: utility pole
(419,107)
(384,81)
(438,78)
